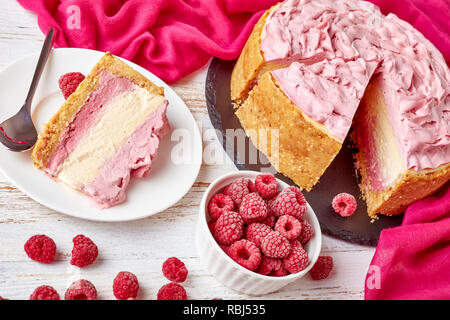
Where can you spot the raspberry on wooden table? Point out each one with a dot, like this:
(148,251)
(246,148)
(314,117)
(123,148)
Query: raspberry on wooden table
(322,268)
(253,208)
(125,286)
(290,202)
(218,204)
(274,245)
(289,227)
(81,290)
(271,267)
(344,204)
(266,185)
(172,291)
(44,293)
(84,251)
(245,253)
(174,270)
(40,248)
(256,232)
(69,82)
(229,228)
(296,261)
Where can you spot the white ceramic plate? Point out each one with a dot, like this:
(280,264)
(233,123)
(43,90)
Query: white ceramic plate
(169,180)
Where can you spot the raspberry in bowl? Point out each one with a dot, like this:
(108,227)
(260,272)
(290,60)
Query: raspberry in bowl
(269,238)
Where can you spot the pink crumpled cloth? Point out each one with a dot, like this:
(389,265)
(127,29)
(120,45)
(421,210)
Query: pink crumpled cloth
(173,38)
(412,261)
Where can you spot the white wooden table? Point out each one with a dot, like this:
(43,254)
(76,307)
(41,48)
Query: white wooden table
(140,246)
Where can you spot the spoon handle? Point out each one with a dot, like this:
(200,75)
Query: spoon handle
(45,51)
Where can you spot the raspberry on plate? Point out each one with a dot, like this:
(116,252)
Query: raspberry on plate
(81,290)
(174,269)
(245,253)
(229,228)
(40,248)
(290,202)
(84,251)
(322,268)
(274,245)
(253,208)
(256,232)
(125,286)
(266,185)
(307,232)
(271,267)
(172,291)
(69,82)
(289,227)
(344,204)
(44,293)
(296,261)
(218,204)
(238,189)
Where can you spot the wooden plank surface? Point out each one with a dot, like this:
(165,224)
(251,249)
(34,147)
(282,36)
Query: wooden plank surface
(139,246)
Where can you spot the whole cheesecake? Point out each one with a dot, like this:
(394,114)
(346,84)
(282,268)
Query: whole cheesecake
(313,70)
(106,132)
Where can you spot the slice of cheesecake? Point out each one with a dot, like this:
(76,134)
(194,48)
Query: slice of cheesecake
(386,183)
(107,131)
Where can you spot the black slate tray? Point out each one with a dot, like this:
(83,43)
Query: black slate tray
(341,176)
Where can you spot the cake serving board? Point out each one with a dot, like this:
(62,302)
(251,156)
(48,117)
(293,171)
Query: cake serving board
(340,176)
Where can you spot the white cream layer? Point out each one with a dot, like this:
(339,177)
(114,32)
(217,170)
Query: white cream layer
(124,115)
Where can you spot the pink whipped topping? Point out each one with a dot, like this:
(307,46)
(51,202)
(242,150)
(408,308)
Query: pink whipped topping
(109,86)
(344,43)
(134,159)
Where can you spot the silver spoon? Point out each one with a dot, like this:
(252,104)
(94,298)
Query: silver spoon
(18,132)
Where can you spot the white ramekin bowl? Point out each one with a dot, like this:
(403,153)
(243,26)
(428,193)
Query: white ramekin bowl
(228,272)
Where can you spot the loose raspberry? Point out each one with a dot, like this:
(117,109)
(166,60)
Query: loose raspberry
(290,202)
(1,298)
(174,269)
(245,253)
(344,204)
(271,267)
(44,293)
(212,227)
(296,261)
(307,232)
(289,227)
(253,208)
(84,251)
(229,228)
(218,204)
(40,248)
(69,82)
(125,286)
(322,268)
(238,189)
(266,185)
(274,245)
(81,290)
(256,232)
(172,291)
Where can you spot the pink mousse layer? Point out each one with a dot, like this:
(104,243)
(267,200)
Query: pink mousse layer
(134,159)
(351,38)
(109,86)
